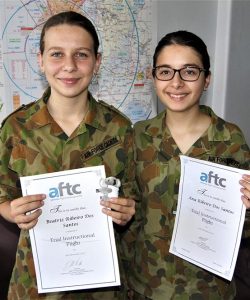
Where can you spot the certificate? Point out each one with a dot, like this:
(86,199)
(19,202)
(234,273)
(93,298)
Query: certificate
(73,242)
(209,217)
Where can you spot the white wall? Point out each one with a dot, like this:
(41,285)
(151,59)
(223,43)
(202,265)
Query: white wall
(199,17)
(224,26)
(237,108)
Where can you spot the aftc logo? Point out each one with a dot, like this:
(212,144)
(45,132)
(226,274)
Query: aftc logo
(64,189)
(213,179)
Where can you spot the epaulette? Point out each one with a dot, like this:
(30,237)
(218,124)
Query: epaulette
(21,107)
(111,107)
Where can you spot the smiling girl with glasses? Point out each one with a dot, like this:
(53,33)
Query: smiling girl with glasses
(181,72)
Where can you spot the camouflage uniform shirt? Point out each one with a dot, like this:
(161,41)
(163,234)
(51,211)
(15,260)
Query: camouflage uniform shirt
(154,273)
(33,143)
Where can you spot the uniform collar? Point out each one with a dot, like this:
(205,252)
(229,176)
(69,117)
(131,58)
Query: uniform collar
(156,126)
(41,117)
(95,117)
(217,130)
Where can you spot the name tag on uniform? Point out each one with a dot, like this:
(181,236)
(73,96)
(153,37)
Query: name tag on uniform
(228,161)
(100,148)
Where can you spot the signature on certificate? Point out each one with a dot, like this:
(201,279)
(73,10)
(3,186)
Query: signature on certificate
(56,209)
(74,267)
(202,191)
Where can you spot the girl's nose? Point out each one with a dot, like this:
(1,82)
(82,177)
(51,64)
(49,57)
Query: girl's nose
(69,64)
(176,81)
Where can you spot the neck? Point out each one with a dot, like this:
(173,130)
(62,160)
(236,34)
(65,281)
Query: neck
(68,112)
(183,120)
(187,127)
(66,108)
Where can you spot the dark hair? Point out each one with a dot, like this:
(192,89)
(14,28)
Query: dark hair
(70,18)
(184,38)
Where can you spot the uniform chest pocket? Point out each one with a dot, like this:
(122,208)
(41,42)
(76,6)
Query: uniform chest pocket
(26,161)
(152,175)
(23,160)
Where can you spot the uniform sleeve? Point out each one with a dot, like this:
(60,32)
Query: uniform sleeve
(243,155)
(242,268)
(128,179)
(129,236)
(9,180)
(237,149)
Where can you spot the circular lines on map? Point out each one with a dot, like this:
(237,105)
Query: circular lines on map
(121,46)
(31,48)
(20,62)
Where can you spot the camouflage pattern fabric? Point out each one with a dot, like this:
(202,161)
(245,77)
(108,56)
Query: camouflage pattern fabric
(154,273)
(33,143)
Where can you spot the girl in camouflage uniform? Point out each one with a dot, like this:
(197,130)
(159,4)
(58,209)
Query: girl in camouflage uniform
(181,73)
(66,129)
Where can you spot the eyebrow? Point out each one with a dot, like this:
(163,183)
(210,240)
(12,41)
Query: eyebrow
(184,66)
(61,48)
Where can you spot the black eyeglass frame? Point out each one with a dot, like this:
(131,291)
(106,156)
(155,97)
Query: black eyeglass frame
(178,71)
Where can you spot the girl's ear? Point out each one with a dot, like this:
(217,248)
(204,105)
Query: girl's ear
(207,81)
(40,61)
(98,63)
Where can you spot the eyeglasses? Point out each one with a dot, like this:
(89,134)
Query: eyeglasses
(164,73)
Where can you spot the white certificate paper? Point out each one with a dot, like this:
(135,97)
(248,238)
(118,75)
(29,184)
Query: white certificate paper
(209,217)
(73,242)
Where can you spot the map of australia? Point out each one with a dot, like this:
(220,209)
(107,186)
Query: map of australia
(125,30)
